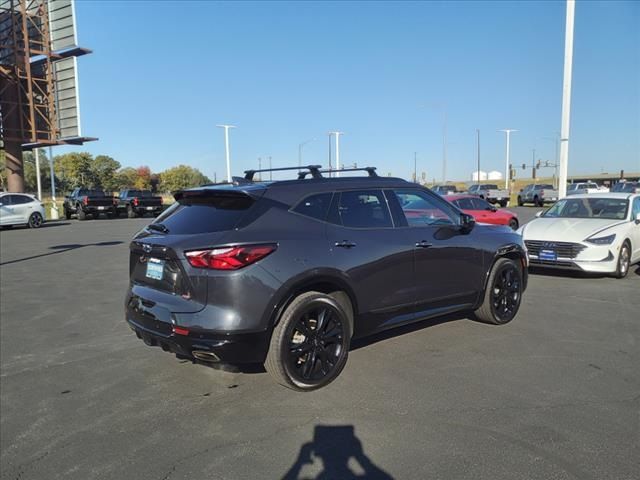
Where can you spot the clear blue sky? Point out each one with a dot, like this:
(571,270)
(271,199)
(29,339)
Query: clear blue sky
(164,73)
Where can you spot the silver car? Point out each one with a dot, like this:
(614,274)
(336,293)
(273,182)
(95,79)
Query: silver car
(20,209)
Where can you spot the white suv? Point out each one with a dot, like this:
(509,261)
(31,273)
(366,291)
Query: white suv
(20,209)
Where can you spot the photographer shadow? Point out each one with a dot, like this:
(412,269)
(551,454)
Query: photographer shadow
(334,453)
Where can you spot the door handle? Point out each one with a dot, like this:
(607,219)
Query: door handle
(345,244)
(423,244)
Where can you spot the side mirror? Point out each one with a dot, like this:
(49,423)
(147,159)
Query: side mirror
(467,222)
(637,217)
(539,214)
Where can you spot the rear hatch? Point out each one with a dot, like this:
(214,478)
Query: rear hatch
(200,219)
(99,201)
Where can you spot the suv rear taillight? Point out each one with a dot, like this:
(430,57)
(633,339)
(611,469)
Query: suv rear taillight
(135,201)
(85,200)
(230,258)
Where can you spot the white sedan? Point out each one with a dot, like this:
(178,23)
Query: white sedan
(597,232)
(20,209)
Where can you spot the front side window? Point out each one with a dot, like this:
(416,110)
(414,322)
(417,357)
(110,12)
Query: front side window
(364,209)
(464,204)
(480,204)
(314,206)
(422,210)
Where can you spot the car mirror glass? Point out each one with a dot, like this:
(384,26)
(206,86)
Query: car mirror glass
(539,214)
(637,217)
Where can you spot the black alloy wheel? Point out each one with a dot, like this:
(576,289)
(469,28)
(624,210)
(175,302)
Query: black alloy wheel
(503,293)
(35,220)
(310,343)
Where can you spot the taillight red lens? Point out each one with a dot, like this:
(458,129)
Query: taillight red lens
(85,200)
(230,258)
(135,201)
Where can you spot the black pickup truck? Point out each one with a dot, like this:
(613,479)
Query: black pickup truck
(84,201)
(138,202)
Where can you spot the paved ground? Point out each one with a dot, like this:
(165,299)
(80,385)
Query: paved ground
(553,395)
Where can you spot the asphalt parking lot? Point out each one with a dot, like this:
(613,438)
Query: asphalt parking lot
(553,395)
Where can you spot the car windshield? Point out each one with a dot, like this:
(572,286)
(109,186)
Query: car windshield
(607,208)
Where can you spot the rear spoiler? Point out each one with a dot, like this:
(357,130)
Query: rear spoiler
(220,198)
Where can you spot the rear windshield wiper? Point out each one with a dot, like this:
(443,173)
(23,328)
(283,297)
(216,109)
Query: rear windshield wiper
(158,227)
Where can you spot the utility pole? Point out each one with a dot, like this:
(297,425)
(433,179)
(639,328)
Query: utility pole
(37,158)
(337,134)
(260,168)
(226,148)
(444,146)
(478,144)
(533,166)
(415,167)
(270,172)
(566,100)
(54,205)
(330,174)
(506,175)
(300,145)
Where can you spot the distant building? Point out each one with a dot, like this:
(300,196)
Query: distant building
(474,176)
(494,175)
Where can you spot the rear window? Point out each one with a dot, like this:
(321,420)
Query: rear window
(139,193)
(205,215)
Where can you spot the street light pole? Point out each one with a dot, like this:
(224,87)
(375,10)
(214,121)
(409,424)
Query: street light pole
(270,172)
(37,159)
(300,145)
(478,145)
(337,134)
(566,100)
(226,148)
(507,173)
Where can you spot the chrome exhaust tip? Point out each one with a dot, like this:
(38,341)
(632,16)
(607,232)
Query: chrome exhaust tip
(205,356)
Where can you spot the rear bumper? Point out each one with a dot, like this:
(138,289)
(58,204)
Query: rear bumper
(236,348)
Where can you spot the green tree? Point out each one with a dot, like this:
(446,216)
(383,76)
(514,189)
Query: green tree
(180,177)
(126,178)
(105,170)
(74,170)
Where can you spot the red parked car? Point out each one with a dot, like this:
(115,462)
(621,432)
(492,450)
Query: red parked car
(483,211)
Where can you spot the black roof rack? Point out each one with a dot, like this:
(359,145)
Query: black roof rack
(313,169)
(370,170)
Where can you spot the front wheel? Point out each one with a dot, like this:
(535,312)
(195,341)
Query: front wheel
(35,220)
(503,294)
(310,343)
(504,203)
(624,261)
(513,223)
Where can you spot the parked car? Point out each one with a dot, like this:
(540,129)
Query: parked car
(21,209)
(537,194)
(83,201)
(483,211)
(444,189)
(287,273)
(585,187)
(597,232)
(491,193)
(135,203)
(626,187)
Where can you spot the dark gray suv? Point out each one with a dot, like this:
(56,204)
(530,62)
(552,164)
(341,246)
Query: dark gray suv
(287,273)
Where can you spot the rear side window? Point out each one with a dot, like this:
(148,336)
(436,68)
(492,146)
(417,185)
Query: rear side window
(20,199)
(205,215)
(315,206)
(464,204)
(364,209)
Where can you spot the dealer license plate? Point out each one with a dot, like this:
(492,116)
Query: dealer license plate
(149,208)
(100,208)
(548,255)
(155,269)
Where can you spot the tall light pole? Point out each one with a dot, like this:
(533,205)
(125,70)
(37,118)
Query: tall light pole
(478,153)
(54,204)
(300,145)
(226,148)
(37,158)
(337,134)
(270,172)
(566,100)
(506,175)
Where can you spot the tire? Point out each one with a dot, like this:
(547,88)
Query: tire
(82,216)
(504,203)
(326,352)
(520,202)
(67,213)
(131,213)
(537,202)
(506,277)
(35,220)
(513,223)
(624,260)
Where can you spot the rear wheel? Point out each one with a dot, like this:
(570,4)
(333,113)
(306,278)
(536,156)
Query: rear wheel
(67,213)
(503,294)
(520,202)
(513,223)
(35,220)
(131,213)
(310,343)
(537,202)
(81,214)
(624,260)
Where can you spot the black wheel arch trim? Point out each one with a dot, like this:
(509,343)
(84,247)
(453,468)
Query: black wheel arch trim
(513,251)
